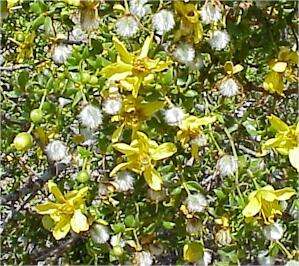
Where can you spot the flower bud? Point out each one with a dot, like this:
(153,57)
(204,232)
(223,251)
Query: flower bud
(23,141)
(83,176)
(118,251)
(36,115)
(223,237)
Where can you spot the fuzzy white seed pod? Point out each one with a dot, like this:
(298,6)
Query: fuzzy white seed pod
(61,53)
(291,263)
(196,202)
(174,116)
(112,106)
(126,26)
(206,259)
(78,35)
(184,53)
(139,8)
(210,13)
(273,231)
(229,87)
(63,101)
(227,165)
(264,259)
(89,18)
(124,181)
(91,116)
(163,21)
(102,190)
(117,241)
(219,40)
(99,233)
(200,140)
(193,227)
(143,258)
(156,195)
(56,150)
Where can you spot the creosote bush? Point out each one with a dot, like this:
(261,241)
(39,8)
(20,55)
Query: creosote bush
(149,132)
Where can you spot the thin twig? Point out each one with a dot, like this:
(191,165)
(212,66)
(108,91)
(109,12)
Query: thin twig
(33,186)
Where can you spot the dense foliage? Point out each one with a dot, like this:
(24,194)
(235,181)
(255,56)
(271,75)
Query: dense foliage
(149,132)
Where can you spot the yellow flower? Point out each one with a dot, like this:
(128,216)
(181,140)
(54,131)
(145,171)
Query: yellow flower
(274,82)
(191,129)
(265,202)
(133,112)
(286,140)
(132,70)
(190,25)
(281,68)
(25,47)
(65,213)
(142,155)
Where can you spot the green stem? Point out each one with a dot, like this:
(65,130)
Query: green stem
(31,128)
(220,151)
(283,248)
(43,100)
(232,144)
(185,187)
(84,164)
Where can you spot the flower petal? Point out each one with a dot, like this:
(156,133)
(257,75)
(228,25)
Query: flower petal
(252,208)
(46,208)
(62,228)
(163,151)
(153,178)
(285,193)
(122,51)
(125,148)
(146,46)
(278,124)
(294,157)
(79,222)
(53,188)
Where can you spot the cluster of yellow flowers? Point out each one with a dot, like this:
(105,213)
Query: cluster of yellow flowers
(130,74)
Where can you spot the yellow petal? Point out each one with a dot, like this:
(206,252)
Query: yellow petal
(62,228)
(294,157)
(153,178)
(252,208)
(198,32)
(115,68)
(117,133)
(125,56)
(229,67)
(118,167)
(206,120)
(285,193)
(125,148)
(193,252)
(268,196)
(273,83)
(53,188)
(46,208)
(79,222)
(279,66)
(146,46)
(163,151)
(277,123)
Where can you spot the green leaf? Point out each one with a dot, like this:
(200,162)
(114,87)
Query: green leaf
(193,186)
(84,153)
(168,225)
(23,78)
(118,228)
(191,93)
